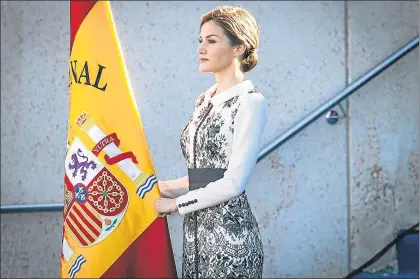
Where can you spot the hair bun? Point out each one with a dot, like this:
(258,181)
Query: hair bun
(250,61)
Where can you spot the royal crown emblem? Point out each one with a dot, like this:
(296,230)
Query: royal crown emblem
(81,118)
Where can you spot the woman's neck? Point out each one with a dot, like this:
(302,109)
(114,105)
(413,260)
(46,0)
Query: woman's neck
(228,78)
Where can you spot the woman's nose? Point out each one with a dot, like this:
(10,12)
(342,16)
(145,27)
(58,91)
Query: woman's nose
(201,50)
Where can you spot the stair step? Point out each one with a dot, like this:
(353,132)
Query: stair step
(393,275)
(408,254)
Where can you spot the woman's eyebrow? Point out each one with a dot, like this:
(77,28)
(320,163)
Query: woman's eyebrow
(208,36)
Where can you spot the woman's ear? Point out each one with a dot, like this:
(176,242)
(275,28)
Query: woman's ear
(240,50)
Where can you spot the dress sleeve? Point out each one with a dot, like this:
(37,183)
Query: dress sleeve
(247,139)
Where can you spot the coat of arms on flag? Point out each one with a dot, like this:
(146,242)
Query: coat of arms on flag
(110,227)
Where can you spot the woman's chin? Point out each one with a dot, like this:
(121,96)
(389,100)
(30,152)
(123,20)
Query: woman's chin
(204,69)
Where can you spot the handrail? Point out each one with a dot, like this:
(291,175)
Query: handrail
(299,126)
(41,207)
(285,136)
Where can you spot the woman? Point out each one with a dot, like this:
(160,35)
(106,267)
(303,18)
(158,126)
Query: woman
(221,144)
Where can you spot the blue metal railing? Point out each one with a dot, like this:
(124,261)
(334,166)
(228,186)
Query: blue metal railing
(299,126)
(285,136)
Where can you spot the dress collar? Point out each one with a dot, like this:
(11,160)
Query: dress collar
(220,97)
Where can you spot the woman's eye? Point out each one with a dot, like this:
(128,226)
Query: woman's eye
(200,41)
(212,41)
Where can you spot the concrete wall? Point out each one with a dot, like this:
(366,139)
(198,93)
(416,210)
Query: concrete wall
(326,201)
(383,131)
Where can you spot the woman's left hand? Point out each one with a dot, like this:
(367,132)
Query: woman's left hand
(165,206)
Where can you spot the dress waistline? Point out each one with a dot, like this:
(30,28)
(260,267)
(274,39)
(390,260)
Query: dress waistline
(199,178)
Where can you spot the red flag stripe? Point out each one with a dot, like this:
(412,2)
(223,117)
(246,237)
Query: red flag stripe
(149,256)
(78,11)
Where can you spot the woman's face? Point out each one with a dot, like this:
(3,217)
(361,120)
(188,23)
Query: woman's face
(215,52)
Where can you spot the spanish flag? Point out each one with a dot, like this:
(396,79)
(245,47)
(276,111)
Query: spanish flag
(110,226)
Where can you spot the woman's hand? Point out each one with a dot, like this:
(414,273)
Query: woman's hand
(165,206)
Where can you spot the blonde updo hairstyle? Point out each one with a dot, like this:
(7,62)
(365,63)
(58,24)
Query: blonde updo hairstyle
(241,28)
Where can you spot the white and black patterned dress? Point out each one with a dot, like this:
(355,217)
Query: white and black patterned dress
(221,234)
